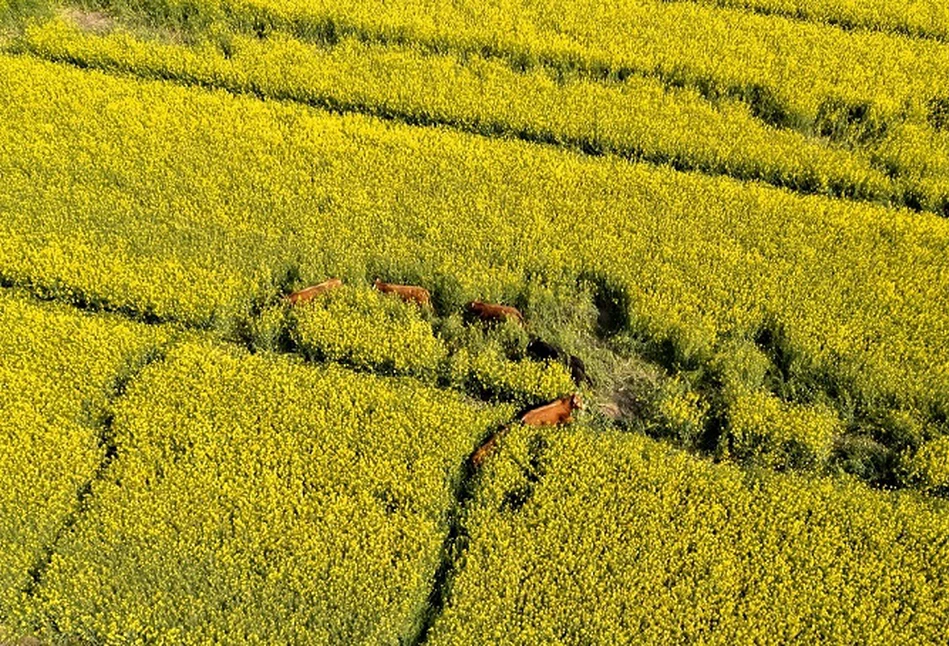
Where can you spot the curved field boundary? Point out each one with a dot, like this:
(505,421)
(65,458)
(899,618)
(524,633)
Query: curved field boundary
(813,78)
(637,119)
(923,19)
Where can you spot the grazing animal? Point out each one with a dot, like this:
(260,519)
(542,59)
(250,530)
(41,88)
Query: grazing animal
(492,312)
(541,350)
(479,456)
(556,412)
(309,293)
(578,371)
(412,293)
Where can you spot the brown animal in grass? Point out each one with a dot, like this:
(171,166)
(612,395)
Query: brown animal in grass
(479,456)
(493,312)
(418,295)
(309,293)
(556,412)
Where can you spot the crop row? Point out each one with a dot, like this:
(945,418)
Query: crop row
(916,18)
(188,204)
(582,536)
(813,77)
(636,118)
(919,155)
(58,374)
(255,499)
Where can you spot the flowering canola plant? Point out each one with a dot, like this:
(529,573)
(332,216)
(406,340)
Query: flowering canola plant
(256,499)
(622,540)
(58,369)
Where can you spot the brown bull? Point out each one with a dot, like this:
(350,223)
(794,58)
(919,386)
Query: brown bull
(556,412)
(309,293)
(493,312)
(411,293)
(479,456)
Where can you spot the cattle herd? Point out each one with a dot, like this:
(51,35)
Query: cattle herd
(559,411)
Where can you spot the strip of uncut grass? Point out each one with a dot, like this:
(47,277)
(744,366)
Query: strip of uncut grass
(581,536)
(795,74)
(183,202)
(637,118)
(58,372)
(255,499)
(918,18)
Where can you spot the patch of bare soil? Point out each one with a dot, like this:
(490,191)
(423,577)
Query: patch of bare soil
(94,22)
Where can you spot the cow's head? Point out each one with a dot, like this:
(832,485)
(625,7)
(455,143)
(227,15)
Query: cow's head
(576,403)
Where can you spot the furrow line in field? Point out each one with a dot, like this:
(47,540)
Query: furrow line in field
(493,129)
(89,303)
(106,441)
(814,17)
(453,550)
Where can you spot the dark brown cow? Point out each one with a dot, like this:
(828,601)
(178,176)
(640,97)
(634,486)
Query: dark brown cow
(309,293)
(479,456)
(418,295)
(556,412)
(492,312)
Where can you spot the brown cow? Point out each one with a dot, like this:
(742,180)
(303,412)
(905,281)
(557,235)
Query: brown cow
(418,295)
(479,456)
(492,312)
(556,412)
(308,294)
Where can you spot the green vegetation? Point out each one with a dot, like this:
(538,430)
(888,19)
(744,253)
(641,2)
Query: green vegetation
(586,536)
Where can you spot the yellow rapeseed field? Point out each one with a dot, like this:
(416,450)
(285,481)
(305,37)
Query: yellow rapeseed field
(258,500)
(58,373)
(799,74)
(920,18)
(623,541)
(720,233)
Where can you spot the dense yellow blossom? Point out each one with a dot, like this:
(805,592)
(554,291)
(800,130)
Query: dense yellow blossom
(370,330)
(924,18)
(767,431)
(931,464)
(622,540)
(639,117)
(255,499)
(365,329)
(110,198)
(807,75)
(162,486)
(58,371)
